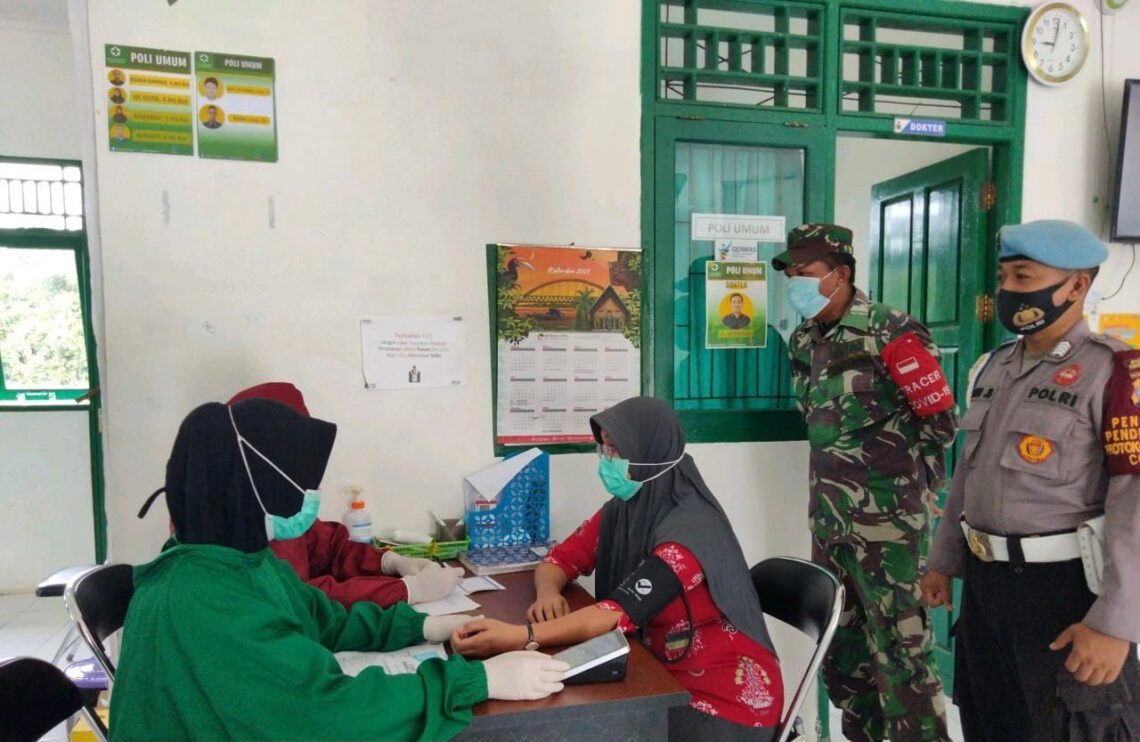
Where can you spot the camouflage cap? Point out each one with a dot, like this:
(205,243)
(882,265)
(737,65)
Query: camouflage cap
(810,242)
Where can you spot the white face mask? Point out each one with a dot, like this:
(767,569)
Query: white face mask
(804,296)
(277,526)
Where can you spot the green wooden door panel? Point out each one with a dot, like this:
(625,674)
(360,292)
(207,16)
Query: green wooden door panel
(929,237)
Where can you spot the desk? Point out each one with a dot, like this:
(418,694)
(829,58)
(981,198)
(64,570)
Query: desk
(635,709)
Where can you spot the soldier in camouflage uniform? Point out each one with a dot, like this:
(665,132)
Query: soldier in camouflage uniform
(877,438)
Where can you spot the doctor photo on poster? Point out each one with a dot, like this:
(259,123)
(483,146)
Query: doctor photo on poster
(736,304)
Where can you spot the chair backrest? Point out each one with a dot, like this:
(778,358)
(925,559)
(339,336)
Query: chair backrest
(97,601)
(35,697)
(807,597)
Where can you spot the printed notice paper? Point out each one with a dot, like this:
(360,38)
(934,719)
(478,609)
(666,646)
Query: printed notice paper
(236,113)
(412,352)
(149,101)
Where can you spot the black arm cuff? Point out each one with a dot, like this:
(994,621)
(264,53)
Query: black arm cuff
(647,590)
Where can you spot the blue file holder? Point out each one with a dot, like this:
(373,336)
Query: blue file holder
(522,513)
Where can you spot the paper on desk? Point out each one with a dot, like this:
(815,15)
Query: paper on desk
(404,660)
(481,489)
(479,584)
(455,602)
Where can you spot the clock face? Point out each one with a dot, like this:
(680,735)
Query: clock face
(1055,43)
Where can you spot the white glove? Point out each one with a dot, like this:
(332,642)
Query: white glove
(440,628)
(523,676)
(432,584)
(395,564)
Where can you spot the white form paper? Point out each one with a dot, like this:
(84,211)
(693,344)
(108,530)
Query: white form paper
(404,660)
(479,584)
(455,602)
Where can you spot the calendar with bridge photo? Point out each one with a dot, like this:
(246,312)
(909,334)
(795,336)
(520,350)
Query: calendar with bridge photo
(567,333)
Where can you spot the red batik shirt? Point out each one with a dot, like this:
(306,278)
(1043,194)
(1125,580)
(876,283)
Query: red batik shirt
(727,673)
(342,569)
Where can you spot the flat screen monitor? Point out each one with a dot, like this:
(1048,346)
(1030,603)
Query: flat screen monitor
(1126,205)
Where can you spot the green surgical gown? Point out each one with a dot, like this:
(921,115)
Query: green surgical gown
(223,644)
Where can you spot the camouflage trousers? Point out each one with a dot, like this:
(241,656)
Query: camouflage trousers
(880,669)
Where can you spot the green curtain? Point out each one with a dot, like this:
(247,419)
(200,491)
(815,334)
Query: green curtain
(725,179)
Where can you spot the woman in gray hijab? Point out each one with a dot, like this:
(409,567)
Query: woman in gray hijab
(669,568)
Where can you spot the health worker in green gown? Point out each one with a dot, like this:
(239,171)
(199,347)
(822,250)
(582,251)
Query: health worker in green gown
(222,639)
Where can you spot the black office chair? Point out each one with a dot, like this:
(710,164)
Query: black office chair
(36,697)
(97,601)
(806,597)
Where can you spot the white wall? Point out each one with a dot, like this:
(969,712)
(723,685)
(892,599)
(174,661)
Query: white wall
(45,490)
(45,498)
(37,113)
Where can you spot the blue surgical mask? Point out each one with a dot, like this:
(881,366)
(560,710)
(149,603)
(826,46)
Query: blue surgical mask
(279,527)
(804,296)
(614,473)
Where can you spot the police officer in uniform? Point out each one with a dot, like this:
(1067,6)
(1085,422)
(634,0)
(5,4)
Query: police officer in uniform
(1045,468)
(879,415)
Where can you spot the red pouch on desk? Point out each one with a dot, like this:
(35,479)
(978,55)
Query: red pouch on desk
(918,375)
(1122,415)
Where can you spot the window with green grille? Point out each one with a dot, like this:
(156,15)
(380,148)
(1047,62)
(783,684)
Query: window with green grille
(946,68)
(738,52)
(743,101)
(44,327)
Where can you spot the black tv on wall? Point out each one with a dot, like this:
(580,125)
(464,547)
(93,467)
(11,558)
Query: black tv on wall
(1126,205)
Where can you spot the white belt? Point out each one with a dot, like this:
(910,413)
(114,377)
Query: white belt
(990,548)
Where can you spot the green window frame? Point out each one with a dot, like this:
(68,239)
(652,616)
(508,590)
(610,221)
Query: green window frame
(800,74)
(61,229)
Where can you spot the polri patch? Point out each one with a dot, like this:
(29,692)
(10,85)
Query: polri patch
(1047,394)
(1068,375)
(1035,449)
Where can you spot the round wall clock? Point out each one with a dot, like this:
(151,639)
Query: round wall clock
(1055,43)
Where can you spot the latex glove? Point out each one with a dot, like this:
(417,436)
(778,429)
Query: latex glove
(396,564)
(439,628)
(523,676)
(432,584)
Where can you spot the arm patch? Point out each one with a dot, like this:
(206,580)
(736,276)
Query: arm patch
(647,590)
(917,373)
(1122,415)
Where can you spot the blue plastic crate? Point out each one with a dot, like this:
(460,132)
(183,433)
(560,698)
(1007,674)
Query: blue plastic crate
(522,514)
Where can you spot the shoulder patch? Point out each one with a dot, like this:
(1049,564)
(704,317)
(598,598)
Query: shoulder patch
(1122,415)
(1114,344)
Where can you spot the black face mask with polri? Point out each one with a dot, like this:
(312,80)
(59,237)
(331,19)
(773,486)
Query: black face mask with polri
(1028,312)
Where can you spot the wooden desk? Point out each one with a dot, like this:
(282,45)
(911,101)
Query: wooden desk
(635,709)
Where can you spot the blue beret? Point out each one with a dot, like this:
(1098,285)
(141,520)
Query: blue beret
(1052,242)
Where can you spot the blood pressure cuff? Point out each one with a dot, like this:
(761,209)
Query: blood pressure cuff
(918,375)
(647,590)
(1122,415)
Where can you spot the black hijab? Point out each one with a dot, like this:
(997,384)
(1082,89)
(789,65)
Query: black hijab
(207,490)
(676,506)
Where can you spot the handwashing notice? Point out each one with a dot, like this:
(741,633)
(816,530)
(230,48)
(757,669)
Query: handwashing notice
(412,352)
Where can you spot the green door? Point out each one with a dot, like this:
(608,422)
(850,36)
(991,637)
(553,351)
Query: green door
(723,169)
(928,241)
